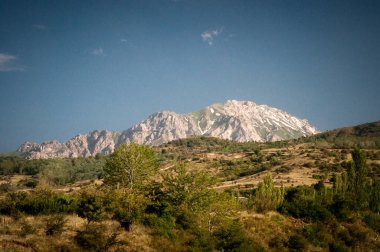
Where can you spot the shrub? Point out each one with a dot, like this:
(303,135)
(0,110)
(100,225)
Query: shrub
(5,187)
(26,229)
(232,238)
(55,225)
(373,221)
(317,234)
(97,237)
(297,242)
(307,209)
(338,247)
(277,243)
(31,183)
(161,225)
(90,206)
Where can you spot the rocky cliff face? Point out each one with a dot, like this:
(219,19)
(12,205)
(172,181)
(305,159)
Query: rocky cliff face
(246,121)
(235,120)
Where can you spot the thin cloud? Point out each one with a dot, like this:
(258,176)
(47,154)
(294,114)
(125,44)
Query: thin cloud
(128,43)
(7,63)
(209,36)
(40,27)
(98,52)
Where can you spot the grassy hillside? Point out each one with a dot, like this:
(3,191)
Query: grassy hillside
(206,194)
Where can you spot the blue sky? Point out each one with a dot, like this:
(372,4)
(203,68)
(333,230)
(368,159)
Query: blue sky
(69,67)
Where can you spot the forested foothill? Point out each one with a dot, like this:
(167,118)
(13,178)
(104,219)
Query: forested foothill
(320,193)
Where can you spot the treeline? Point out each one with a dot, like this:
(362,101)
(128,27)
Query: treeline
(56,171)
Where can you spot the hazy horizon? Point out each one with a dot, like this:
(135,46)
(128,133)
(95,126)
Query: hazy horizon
(70,67)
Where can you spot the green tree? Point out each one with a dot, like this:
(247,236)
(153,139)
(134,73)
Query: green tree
(126,205)
(90,206)
(340,184)
(188,187)
(374,202)
(130,165)
(357,178)
(267,196)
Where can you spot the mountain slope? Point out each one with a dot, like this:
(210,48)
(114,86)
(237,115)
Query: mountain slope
(234,120)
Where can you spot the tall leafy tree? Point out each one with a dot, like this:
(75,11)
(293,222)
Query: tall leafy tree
(374,202)
(130,165)
(358,184)
(267,196)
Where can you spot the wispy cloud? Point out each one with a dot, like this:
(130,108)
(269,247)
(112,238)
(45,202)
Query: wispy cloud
(40,27)
(7,63)
(98,52)
(209,36)
(128,43)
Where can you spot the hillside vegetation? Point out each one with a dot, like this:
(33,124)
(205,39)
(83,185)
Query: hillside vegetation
(320,193)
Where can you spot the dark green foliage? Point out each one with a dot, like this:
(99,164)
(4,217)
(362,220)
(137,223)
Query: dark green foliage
(127,206)
(317,234)
(41,201)
(90,206)
(374,202)
(31,183)
(232,238)
(277,243)
(306,209)
(337,247)
(97,237)
(213,144)
(55,225)
(361,136)
(341,207)
(297,242)
(373,221)
(162,225)
(306,203)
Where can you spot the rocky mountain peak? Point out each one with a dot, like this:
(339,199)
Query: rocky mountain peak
(234,120)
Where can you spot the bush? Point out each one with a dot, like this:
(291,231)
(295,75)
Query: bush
(373,221)
(55,225)
(5,187)
(26,229)
(90,206)
(163,225)
(97,237)
(232,238)
(307,209)
(317,234)
(31,183)
(338,247)
(297,242)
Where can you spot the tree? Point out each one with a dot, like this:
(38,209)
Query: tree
(357,176)
(127,206)
(374,202)
(267,196)
(90,206)
(130,165)
(188,187)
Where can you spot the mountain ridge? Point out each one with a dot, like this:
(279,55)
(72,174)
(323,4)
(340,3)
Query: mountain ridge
(240,121)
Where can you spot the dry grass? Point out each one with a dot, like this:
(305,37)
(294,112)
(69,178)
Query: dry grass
(269,227)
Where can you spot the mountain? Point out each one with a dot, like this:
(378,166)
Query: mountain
(235,120)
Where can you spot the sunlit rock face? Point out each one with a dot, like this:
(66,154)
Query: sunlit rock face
(234,120)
